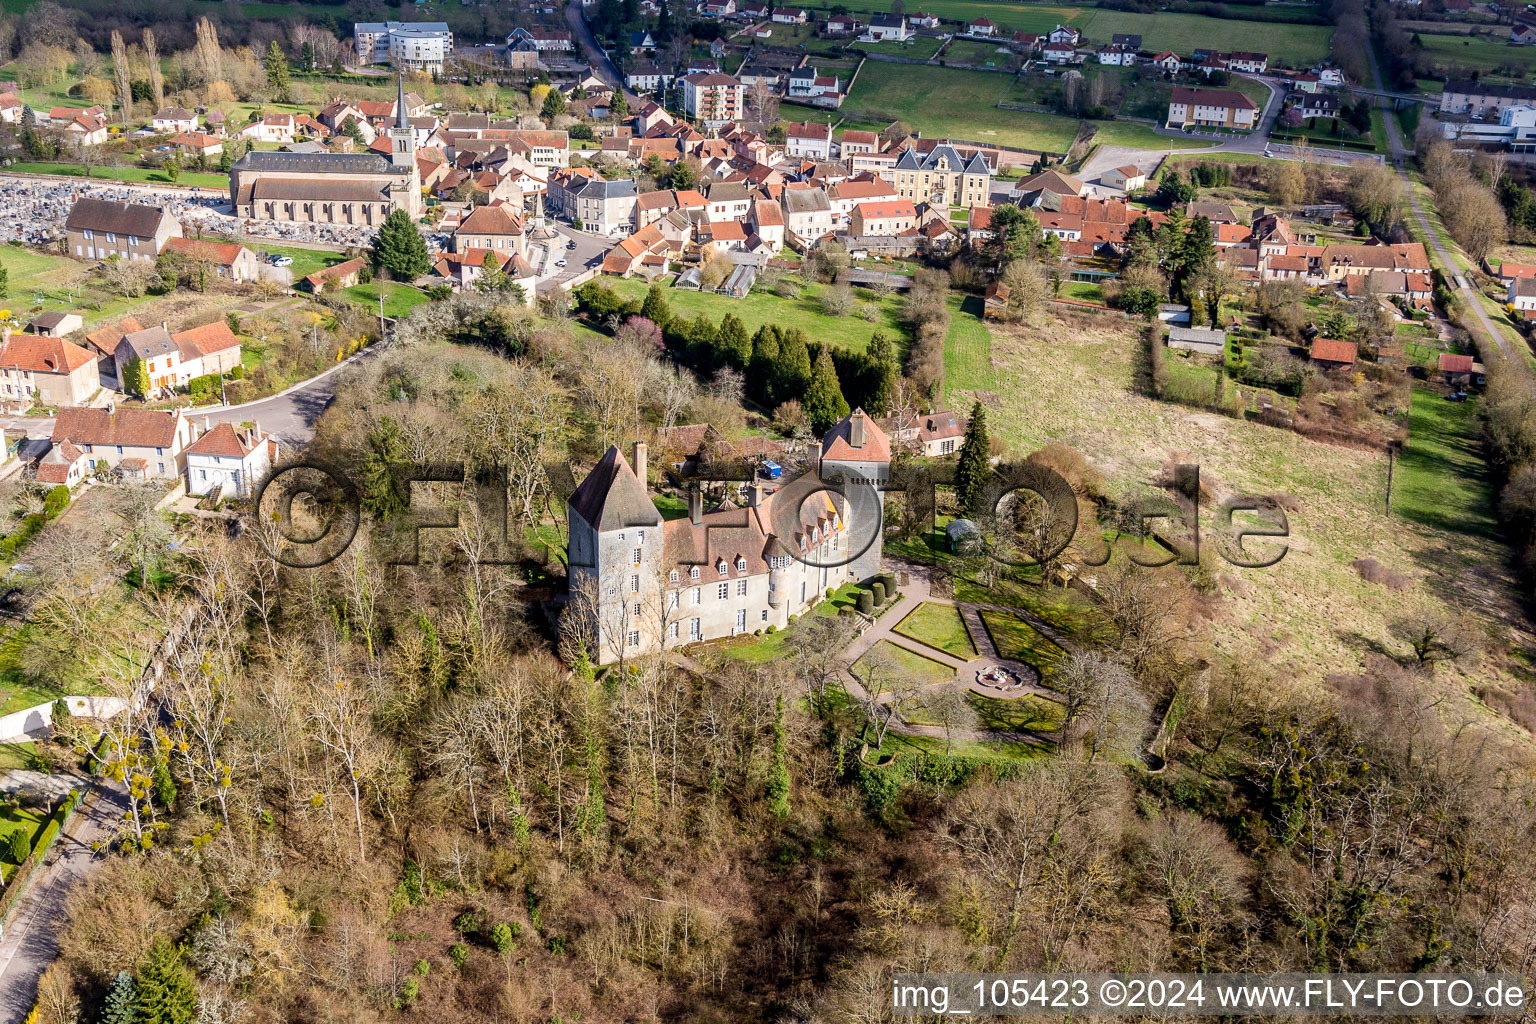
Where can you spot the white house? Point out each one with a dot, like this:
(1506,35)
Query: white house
(172,120)
(1522,293)
(884,27)
(1127,178)
(232,459)
(810,139)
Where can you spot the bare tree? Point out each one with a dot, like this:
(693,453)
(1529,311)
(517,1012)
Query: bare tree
(952,709)
(124,74)
(156,73)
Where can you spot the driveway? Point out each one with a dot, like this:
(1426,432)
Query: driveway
(30,943)
(589,248)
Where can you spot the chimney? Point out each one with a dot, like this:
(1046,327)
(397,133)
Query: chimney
(640,460)
(165,325)
(754,494)
(856,428)
(695,506)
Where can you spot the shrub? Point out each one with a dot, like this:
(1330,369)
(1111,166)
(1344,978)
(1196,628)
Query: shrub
(501,939)
(423,968)
(866,602)
(18,846)
(459,954)
(878,590)
(56,501)
(772,630)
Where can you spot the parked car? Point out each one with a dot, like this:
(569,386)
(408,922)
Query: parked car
(559,263)
(571,244)
(282,261)
(1457,396)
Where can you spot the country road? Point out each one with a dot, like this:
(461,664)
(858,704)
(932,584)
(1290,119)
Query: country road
(30,941)
(291,415)
(601,65)
(1469,294)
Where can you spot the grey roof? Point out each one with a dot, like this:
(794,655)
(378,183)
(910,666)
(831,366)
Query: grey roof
(1126,39)
(316,163)
(1512,92)
(150,342)
(887,21)
(943,158)
(114,217)
(598,188)
(728,191)
(174,114)
(806,200)
(612,497)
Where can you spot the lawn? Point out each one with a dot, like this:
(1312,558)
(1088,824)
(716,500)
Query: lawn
(1291,45)
(1016,639)
(305,261)
(1141,136)
(31,273)
(1010,17)
(1441,478)
(41,282)
(399,299)
(938,626)
(967,350)
(909,664)
(144,174)
(23,819)
(758,308)
(953,103)
(17,755)
(1082,291)
(771,647)
(974,51)
(670,507)
(1459,53)
(1017,714)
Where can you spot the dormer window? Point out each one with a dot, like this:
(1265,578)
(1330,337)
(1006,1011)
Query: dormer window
(721,566)
(693,573)
(672,576)
(741,566)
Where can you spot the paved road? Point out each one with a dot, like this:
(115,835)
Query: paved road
(1469,295)
(30,942)
(601,65)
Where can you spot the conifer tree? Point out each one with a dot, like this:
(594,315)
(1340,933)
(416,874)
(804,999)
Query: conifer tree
(733,347)
(400,249)
(765,358)
(122,999)
(276,66)
(136,377)
(166,992)
(886,370)
(792,370)
(824,402)
(655,308)
(975,466)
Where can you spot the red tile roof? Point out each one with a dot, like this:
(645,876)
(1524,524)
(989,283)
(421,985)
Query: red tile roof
(43,354)
(1334,351)
(1455,364)
(225,439)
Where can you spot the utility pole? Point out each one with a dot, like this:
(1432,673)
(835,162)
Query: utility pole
(1391,451)
(381,311)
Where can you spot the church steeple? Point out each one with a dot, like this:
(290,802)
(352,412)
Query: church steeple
(402,137)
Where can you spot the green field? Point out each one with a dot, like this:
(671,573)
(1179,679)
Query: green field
(908,664)
(952,103)
(399,299)
(28,820)
(144,174)
(974,51)
(1441,479)
(1018,640)
(1012,17)
(305,261)
(1028,714)
(939,626)
(771,646)
(967,350)
(848,332)
(1453,52)
(1292,45)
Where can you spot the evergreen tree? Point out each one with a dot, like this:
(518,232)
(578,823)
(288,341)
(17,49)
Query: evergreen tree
(121,1000)
(792,370)
(618,107)
(27,134)
(885,372)
(276,66)
(975,467)
(554,105)
(352,130)
(5,281)
(18,846)
(823,401)
(166,992)
(386,453)
(399,248)
(733,347)
(491,278)
(136,377)
(681,176)
(765,357)
(307,56)
(655,308)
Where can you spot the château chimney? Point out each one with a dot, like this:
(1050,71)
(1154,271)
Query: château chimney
(856,429)
(696,505)
(640,460)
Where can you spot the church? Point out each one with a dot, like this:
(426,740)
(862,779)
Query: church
(352,189)
(644,583)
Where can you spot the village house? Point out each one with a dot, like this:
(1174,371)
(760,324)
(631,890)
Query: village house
(99,228)
(1210,108)
(1522,294)
(887,217)
(336,277)
(934,434)
(887,27)
(42,370)
(994,301)
(807,215)
(1332,354)
(230,260)
(172,120)
(171,360)
(229,459)
(606,207)
(491,227)
(982,27)
(138,443)
(1127,179)
(808,139)
(198,144)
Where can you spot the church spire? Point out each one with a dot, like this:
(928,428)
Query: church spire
(400,118)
